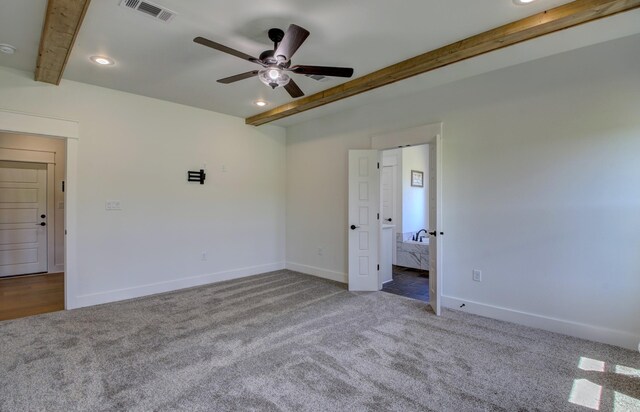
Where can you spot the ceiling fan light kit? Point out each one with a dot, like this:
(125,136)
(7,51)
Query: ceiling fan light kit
(273,77)
(276,63)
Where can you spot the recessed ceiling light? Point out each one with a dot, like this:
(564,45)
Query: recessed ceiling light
(521,2)
(260,103)
(102,60)
(7,49)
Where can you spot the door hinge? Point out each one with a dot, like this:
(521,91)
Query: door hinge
(378,267)
(378,216)
(378,165)
(63,186)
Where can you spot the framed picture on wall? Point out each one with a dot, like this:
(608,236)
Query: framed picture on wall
(417,178)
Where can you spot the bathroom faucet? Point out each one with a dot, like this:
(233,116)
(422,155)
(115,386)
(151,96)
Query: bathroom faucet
(417,236)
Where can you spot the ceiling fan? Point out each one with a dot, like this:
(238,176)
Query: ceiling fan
(277,62)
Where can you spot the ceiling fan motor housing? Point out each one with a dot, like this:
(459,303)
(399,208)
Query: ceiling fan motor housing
(267,57)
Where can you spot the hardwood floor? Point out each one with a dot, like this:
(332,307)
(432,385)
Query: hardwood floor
(28,295)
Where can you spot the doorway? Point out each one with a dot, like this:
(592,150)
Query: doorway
(32,224)
(366,229)
(69,132)
(405,212)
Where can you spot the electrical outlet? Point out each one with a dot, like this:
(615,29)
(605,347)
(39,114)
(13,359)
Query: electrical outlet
(477,275)
(203,256)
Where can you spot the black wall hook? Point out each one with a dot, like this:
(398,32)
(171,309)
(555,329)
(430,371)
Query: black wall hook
(196,176)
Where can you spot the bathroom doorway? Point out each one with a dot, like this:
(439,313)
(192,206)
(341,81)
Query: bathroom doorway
(366,228)
(405,212)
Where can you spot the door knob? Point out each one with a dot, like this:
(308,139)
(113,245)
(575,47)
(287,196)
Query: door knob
(41,224)
(434,233)
(389,220)
(43,216)
(354,227)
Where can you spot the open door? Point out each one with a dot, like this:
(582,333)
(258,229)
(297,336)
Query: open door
(435,223)
(364,227)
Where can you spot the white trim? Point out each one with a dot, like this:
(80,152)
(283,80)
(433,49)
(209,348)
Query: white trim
(565,327)
(71,278)
(28,123)
(407,137)
(319,272)
(18,122)
(171,285)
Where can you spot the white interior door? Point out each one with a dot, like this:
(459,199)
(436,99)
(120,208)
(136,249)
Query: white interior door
(388,194)
(23,210)
(364,227)
(435,222)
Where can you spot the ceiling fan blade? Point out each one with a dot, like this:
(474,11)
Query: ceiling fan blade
(293,89)
(237,77)
(323,70)
(292,40)
(225,49)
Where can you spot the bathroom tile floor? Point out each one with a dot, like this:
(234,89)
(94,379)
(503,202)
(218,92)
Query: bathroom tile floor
(412,283)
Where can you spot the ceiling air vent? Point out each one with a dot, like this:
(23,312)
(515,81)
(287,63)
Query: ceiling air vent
(318,77)
(150,9)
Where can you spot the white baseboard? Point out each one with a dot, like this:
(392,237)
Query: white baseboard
(171,285)
(580,330)
(319,272)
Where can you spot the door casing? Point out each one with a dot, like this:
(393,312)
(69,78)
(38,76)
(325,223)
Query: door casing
(428,134)
(28,123)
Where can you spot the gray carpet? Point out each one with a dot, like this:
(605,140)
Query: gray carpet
(286,341)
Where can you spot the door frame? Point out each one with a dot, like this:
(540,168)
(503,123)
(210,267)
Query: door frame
(426,134)
(35,124)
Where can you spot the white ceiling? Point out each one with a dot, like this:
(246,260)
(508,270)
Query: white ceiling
(160,60)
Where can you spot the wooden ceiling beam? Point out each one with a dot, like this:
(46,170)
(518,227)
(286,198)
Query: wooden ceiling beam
(61,26)
(560,18)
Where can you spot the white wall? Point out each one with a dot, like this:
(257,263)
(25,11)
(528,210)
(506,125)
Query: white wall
(415,200)
(540,189)
(138,150)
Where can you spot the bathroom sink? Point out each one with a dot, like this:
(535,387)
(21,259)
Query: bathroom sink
(415,242)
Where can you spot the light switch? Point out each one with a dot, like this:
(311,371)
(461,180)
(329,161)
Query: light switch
(113,205)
